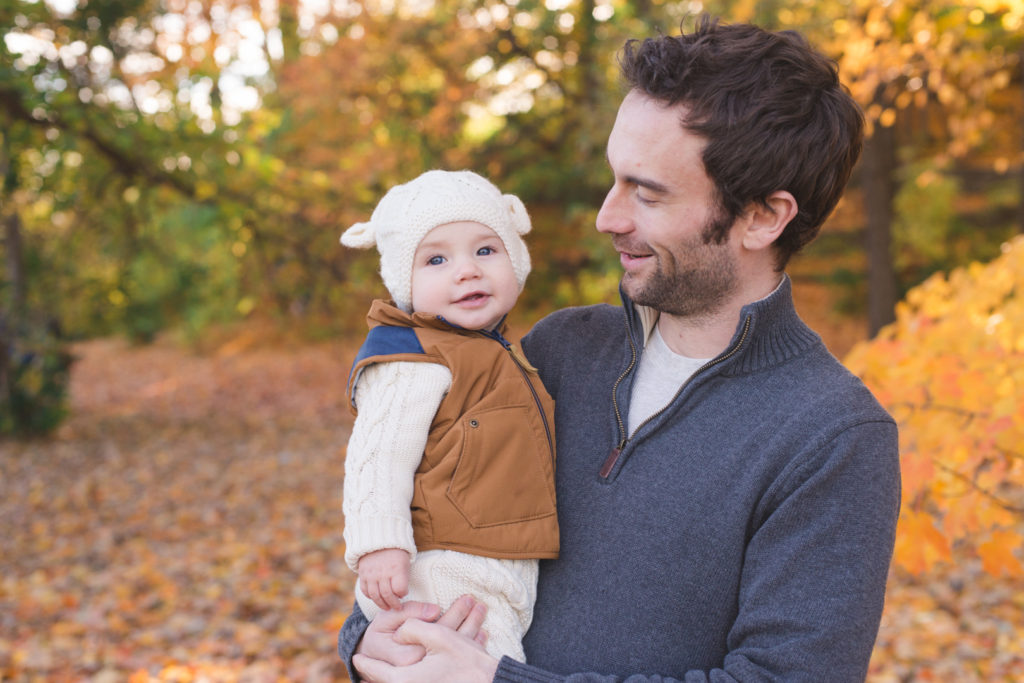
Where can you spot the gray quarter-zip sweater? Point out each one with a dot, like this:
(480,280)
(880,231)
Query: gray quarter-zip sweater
(743,533)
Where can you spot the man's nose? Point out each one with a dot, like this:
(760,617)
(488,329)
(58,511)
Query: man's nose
(613,217)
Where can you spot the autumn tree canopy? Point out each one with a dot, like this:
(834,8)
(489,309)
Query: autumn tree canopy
(174,163)
(181,161)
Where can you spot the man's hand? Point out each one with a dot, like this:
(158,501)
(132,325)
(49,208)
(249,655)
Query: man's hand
(378,641)
(451,655)
(384,577)
(388,649)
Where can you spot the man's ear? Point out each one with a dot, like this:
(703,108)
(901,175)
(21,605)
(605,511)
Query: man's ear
(765,222)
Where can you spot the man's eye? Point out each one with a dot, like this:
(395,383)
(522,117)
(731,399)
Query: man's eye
(647,201)
(435,260)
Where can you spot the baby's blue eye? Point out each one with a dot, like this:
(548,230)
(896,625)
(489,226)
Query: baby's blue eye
(485,251)
(435,260)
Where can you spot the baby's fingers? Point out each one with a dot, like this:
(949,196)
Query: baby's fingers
(372,590)
(388,599)
(391,602)
(400,584)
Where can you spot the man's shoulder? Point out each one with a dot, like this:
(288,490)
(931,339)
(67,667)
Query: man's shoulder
(595,315)
(572,333)
(830,389)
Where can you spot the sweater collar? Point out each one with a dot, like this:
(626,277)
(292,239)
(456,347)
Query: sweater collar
(769,331)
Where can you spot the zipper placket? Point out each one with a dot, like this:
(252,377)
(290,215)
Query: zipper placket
(613,457)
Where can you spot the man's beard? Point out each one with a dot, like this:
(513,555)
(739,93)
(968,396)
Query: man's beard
(694,280)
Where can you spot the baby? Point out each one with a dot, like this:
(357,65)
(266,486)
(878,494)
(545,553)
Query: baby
(449,473)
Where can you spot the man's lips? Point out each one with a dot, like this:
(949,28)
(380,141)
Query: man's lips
(629,259)
(629,253)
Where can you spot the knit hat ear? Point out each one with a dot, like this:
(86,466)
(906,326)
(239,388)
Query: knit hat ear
(360,236)
(408,212)
(520,219)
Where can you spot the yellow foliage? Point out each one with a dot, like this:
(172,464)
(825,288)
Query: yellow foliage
(950,370)
(910,54)
(997,553)
(920,544)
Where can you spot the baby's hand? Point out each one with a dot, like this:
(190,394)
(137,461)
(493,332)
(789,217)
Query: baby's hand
(384,577)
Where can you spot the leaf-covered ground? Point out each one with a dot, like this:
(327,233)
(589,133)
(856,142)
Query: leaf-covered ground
(957,625)
(185,525)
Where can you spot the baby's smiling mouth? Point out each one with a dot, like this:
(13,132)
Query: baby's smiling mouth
(471,297)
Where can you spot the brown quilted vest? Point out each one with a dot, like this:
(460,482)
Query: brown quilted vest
(485,485)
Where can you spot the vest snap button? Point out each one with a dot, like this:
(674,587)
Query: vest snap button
(474,423)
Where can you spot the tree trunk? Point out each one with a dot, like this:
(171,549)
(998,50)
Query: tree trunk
(11,310)
(878,169)
(15,265)
(1020,171)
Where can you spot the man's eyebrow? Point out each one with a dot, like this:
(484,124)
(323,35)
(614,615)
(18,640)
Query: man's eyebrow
(652,185)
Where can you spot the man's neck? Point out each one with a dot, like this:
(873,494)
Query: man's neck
(708,335)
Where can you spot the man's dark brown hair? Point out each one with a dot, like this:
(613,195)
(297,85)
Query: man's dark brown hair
(772,110)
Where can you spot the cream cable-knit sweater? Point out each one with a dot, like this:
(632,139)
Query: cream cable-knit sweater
(396,403)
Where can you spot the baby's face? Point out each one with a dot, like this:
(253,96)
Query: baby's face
(462,272)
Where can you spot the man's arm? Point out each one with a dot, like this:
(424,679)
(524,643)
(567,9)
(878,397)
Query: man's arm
(350,635)
(455,658)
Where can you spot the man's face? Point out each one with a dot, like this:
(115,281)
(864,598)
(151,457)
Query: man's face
(660,212)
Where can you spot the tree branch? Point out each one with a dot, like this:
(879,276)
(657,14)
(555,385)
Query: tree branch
(1006,505)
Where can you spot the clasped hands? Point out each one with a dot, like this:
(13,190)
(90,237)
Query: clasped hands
(413,641)
(418,643)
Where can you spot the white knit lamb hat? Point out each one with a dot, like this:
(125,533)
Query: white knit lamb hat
(409,211)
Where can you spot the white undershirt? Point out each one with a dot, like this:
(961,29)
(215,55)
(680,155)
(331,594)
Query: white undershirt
(660,375)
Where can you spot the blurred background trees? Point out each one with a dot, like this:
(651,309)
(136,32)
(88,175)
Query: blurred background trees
(175,164)
(179,162)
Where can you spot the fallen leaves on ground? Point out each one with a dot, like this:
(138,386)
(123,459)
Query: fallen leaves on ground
(185,525)
(956,623)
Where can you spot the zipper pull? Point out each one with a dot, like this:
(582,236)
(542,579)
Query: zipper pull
(517,355)
(610,461)
(521,359)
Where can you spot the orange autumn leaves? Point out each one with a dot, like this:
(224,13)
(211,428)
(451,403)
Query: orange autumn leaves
(951,371)
(185,523)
